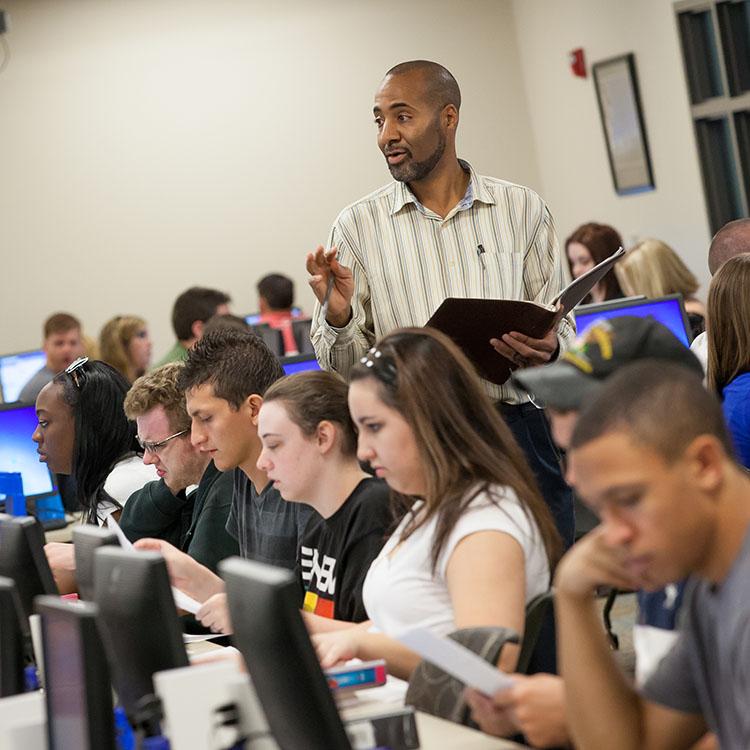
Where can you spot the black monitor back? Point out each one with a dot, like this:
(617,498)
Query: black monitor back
(268,630)
(78,690)
(12,644)
(138,620)
(86,540)
(23,560)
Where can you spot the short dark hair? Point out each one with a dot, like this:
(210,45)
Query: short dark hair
(61,323)
(225,321)
(441,88)
(196,303)
(277,290)
(665,407)
(236,363)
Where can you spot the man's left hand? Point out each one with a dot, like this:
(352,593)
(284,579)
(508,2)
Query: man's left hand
(525,351)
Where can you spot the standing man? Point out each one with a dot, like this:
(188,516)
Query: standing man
(441,230)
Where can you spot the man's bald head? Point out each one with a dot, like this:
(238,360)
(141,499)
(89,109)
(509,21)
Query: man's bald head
(440,87)
(731,240)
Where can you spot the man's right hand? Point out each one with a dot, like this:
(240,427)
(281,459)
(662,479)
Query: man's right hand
(590,563)
(322,265)
(186,574)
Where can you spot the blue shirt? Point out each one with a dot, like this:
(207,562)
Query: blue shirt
(737,414)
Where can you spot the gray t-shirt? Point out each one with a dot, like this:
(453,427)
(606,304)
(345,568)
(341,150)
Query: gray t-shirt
(708,669)
(35,384)
(267,527)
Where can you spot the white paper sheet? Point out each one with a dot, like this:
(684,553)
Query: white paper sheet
(456,660)
(181,599)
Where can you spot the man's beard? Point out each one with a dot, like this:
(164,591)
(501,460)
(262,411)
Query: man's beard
(413,171)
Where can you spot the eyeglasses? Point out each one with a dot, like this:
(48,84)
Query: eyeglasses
(73,366)
(381,365)
(149,447)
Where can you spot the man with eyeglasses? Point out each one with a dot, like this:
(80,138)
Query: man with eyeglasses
(189,505)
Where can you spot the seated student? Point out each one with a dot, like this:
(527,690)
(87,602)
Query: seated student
(83,432)
(731,240)
(535,704)
(309,453)
(190,312)
(224,379)
(62,344)
(226,321)
(654,269)
(124,343)
(189,504)
(729,348)
(478,541)
(651,454)
(275,301)
(590,244)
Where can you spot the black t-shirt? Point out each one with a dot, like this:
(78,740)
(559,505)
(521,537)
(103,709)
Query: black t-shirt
(336,552)
(267,527)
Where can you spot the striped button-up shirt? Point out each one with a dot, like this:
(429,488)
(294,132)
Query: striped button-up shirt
(407,259)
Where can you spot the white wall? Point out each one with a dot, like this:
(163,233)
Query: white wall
(149,145)
(568,137)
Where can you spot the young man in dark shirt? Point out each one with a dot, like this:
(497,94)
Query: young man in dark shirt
(189,505)
(224,379)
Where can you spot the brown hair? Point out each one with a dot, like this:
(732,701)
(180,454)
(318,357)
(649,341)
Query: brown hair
(601,240)
(159,388)
(60,323)
(653,268)
(464,444)
(314,397)
(114,338)
(728,326)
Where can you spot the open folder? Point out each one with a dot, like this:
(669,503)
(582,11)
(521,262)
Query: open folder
(471,323)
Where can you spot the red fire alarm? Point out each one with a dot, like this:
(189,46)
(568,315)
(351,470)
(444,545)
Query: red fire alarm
(577,62)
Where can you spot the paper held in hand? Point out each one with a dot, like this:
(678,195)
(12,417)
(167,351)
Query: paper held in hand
(181,600)
(457,660)
(471,323)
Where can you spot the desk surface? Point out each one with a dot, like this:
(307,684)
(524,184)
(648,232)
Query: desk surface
(63,535)
(438,734)
(434,733)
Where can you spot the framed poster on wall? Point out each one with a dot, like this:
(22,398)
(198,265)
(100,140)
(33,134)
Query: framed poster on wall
(616,86)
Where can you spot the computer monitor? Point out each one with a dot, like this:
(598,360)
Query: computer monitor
(16,370)
(669,311)
(18,451)
(23,560)
(268,630)
(86,540)
(138,621)
(299,363)
(254,318)
(12,643)
(78,689)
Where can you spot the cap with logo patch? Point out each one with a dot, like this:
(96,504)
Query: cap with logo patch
(603,347)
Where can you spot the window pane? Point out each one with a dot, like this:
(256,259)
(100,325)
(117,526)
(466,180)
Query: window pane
(719,171)
(701,55)
(734,23)
(742,126)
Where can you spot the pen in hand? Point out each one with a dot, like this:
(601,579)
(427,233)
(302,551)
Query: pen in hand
(329,289)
